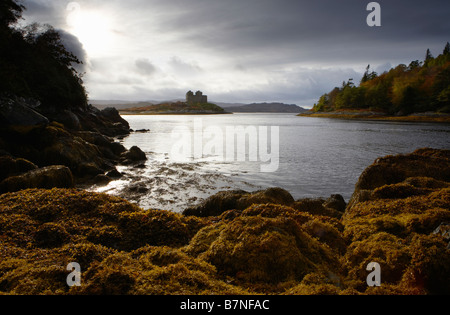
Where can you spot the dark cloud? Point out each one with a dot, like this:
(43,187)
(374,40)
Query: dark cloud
(74,46)
(293,50)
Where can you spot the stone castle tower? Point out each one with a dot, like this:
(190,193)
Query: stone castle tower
(198,97)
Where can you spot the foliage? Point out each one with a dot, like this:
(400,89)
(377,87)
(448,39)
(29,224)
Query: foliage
(35,64)
(419,87)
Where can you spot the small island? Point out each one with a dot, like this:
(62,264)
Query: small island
(195,104)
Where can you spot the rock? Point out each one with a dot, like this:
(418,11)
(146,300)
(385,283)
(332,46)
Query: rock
(238,200)
(400,206)
(16,116)
(69,119)
(46,177)
(118,124)
(391,170)
(135,154)
(317,206)
(106,145)
(10,166)
(336,202)
(60,147)
(257,248)
(114,174)
(102,180)
(107,122)
(142,131)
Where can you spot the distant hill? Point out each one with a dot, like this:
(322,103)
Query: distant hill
(266,108)
(229,107)
(120,105)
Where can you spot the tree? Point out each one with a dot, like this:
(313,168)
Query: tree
(10,12)
(34,63)
(414,65)
(368,75)
(447,49)
(428,57)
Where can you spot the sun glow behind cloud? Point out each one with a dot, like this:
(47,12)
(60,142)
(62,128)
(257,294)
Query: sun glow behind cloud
(93,28)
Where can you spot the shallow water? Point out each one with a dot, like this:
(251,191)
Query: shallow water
(317,156)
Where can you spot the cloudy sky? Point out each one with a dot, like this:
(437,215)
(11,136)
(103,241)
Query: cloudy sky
(242,51)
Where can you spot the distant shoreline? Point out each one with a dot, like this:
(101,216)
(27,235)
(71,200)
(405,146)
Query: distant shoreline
(128,113)
(368,115)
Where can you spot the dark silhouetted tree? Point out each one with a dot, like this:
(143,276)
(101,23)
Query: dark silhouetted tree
(447,49)
(428,57)
(34,62)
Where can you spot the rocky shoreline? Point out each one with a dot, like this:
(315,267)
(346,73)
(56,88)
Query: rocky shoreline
(236,242)
(45,148)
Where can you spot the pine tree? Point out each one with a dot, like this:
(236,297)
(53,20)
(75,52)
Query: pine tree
(428,57)
(447,49)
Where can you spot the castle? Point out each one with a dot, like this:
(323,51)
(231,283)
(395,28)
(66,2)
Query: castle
(198,97)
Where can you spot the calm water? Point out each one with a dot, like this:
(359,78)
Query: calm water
(317,156)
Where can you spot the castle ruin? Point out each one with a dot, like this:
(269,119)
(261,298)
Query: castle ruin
(197,98)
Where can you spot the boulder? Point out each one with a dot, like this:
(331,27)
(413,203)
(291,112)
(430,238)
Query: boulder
(10,166)
(263,245)
(320,206)
(107,145)
(16,116)
(47,177)
(239,200)
(60,147)
(391,170)
(102,180)
(135,154)
(336,202)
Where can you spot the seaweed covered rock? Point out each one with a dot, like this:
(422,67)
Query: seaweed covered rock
(265,245)
(406,200)
(247,243)
(121,248)
(426,162)
(96,218)
(57,176)
(239,200)
(154,271)
(10,166)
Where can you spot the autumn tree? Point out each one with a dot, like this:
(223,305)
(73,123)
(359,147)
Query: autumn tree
(418,87)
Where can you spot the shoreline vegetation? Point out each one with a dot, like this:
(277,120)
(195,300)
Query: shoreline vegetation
(353,114)
(417,92)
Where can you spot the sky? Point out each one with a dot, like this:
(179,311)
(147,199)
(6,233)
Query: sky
(238,51)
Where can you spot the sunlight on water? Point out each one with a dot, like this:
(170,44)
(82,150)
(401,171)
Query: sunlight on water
(317,157)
